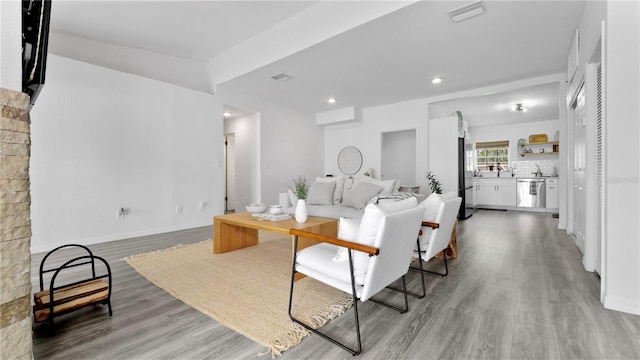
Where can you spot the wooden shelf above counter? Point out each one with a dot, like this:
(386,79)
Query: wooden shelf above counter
(539,153)
(544,143)
(553,146)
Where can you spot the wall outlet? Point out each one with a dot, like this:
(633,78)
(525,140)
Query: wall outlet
(120,214)
(178,209)
(201,205)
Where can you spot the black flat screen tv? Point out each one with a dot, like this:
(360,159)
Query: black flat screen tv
(36,15)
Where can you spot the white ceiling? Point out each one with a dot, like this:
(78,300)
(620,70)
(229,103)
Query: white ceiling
(542,103)
(387,60)
(195,30)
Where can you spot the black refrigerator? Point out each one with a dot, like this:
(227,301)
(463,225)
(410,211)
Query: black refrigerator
(465,177)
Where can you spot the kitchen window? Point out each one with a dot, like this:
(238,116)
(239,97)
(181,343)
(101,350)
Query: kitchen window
(492,155)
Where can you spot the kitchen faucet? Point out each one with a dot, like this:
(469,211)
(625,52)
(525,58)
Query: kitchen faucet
(539,172)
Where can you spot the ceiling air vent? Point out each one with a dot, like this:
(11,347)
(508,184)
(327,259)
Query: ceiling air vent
(467,11)
(282,77)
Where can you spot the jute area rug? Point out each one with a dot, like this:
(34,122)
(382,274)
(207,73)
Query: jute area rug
(246,290)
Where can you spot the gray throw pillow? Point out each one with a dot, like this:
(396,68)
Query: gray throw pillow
(360,194)
(321,193)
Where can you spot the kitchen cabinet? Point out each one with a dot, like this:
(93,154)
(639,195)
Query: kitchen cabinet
(552,194)
(499,193)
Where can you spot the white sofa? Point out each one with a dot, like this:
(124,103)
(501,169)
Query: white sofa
(336,197)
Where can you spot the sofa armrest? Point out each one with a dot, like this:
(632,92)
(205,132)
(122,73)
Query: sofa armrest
(338,242)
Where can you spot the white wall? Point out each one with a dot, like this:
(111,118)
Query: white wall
(246,133)
(11,45)
(103,139)
(622,89)
(514,132)
(398,157)
(290,144)
(366,135)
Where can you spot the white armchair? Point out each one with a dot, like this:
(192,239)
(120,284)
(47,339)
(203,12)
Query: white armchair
(436,232)
(380,255)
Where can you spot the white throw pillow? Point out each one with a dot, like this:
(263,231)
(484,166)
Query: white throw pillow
(388,186)
(292,197)
(347,230)
(348,184)
(368,231)
(321,193)
(339,189)
(360,194)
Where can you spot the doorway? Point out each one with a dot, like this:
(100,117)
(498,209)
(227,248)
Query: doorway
(230,173)
(398,157)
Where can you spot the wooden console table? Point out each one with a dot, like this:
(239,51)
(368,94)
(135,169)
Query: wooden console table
(239,230)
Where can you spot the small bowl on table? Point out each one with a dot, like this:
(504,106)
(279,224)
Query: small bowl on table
(256,208)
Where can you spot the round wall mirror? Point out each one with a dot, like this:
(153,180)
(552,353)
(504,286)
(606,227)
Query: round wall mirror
(350,160)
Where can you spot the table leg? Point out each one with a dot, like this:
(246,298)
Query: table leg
(227,237)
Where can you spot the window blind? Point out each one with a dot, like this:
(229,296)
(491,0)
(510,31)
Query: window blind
(492,144)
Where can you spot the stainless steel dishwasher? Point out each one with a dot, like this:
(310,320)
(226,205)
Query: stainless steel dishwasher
(530,194)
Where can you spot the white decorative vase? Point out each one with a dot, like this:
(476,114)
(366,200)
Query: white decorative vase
(301,211)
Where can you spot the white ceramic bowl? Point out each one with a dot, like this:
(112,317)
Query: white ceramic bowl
(256,208)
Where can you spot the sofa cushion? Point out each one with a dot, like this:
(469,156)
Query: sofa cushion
(388,186)
(321,193)
(292,197)
(338,190)
(360,194)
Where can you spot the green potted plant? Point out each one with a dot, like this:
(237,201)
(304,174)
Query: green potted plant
(300,189)
(434,184)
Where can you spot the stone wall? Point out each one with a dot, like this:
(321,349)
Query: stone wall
(15,227)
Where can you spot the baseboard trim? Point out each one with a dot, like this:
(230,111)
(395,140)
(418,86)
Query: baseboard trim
(622,305)
(124,236)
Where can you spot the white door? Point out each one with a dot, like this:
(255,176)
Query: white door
(579,170)
(230,172)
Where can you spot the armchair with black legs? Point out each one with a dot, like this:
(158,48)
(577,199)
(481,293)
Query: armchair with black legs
(435,234)
(381,255)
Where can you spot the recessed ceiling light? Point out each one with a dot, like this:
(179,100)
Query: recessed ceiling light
(331,100)
(436,80)
(519,107)
(226,114)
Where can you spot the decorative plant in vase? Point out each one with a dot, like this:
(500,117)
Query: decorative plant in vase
(434,184)
(300,189)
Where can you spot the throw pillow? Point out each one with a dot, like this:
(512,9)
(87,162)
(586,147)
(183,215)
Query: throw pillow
(339,189)
(321,193)
(360,194)
(292,197)
(347,230)
(388,186)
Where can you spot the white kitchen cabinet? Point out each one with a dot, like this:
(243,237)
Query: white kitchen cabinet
(498,193)
(552,194)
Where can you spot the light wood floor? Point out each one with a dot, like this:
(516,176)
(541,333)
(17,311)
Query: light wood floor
(516,290)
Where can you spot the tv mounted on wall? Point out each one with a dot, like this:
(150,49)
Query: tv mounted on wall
(35,38)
